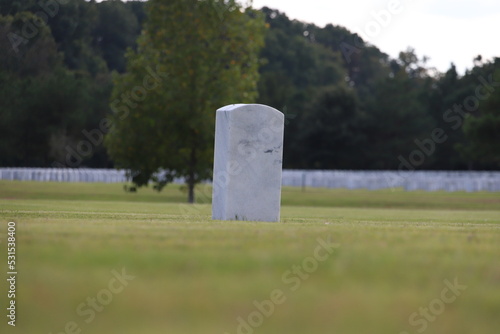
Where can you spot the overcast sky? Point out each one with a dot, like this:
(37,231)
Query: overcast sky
(445,30)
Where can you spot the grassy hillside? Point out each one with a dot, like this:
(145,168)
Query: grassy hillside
(396,198)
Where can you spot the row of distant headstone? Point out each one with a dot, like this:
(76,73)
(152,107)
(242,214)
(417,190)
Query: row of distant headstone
(470,181)
(64,175)
(418,180)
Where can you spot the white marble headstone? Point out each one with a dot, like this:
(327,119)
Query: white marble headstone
(248,163)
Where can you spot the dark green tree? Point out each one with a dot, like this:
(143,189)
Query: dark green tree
(116,30)
(26,65)
(193,57)
(396,115)
(329,130)
(45,106)
(482,128)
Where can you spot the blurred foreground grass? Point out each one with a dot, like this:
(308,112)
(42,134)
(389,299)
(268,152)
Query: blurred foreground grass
(397,253)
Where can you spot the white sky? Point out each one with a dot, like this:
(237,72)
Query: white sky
(445,30)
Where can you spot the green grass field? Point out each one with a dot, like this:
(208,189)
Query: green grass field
(396,255)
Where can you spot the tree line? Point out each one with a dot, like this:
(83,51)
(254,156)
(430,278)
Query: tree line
(348,105)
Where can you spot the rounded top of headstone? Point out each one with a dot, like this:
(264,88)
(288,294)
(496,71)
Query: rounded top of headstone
(249,107)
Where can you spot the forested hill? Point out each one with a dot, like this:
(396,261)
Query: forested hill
(348,104)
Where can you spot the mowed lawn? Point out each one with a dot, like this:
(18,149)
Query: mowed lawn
(94,259)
